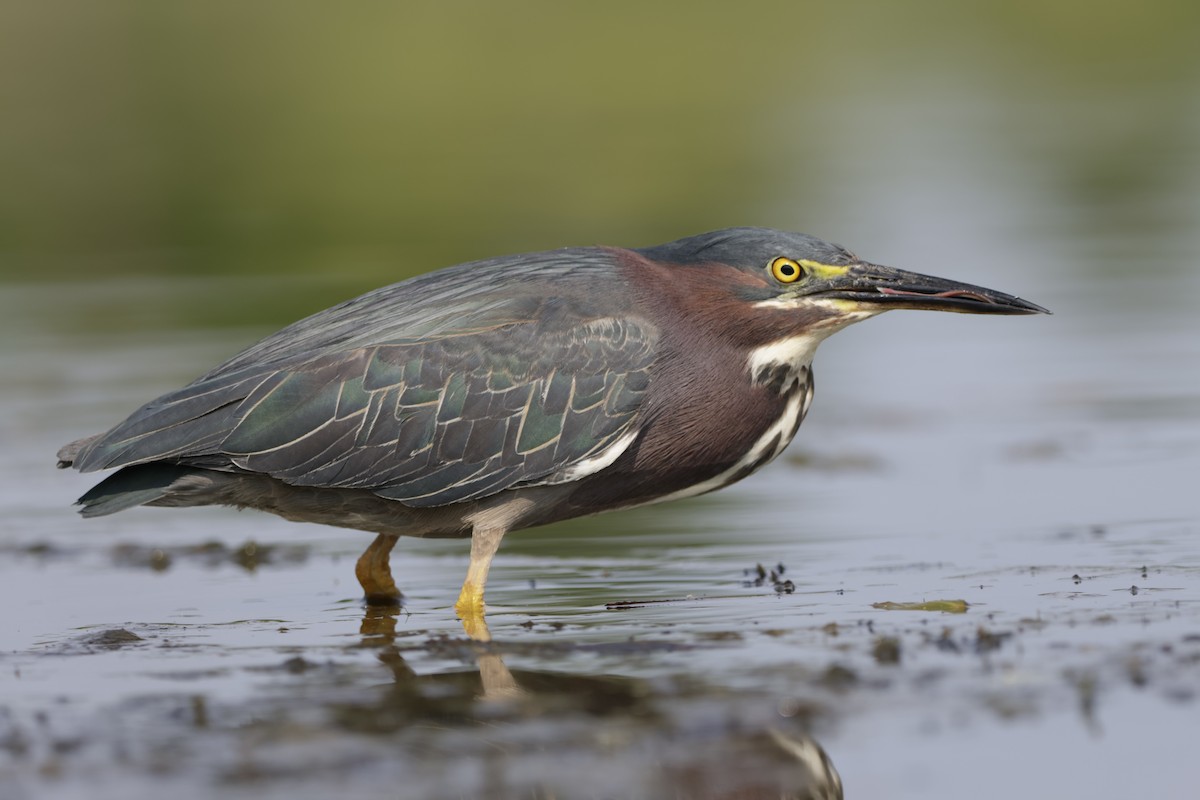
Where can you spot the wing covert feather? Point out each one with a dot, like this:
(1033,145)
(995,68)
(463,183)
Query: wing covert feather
(450,419)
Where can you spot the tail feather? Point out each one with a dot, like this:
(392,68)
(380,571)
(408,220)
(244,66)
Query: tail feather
(69,452)
(129,487)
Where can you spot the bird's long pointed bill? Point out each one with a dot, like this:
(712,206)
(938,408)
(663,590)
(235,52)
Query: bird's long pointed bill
(884,288)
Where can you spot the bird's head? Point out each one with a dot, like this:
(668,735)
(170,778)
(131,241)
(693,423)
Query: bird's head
(767,271)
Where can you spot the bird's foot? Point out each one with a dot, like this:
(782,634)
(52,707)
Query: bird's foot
(383,599)
(374,573)
(476,627)
(470,612)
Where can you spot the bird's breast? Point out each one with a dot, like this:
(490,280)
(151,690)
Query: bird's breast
(714,414)
(759,431)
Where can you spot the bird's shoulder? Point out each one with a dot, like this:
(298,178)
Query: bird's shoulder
(456,301)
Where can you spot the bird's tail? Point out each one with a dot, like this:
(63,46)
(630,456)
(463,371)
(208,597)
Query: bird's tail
(68,452)
(131,486)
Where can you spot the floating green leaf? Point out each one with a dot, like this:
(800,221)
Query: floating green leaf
(945,606)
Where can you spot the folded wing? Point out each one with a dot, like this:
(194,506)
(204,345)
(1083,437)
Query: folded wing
(429,421)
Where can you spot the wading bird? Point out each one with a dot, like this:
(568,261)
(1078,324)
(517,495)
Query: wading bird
(513,392)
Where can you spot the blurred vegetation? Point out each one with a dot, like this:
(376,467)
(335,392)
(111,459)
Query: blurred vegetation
(368,141)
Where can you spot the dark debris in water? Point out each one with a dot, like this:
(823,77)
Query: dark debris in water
(111,639)
(41,550)
(617,605)
(987,641)
(838,678)
(97,641)
(886,650)
(249,556)
(758,575)
(296,665)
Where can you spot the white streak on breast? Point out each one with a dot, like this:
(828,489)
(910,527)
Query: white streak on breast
(794,352)
(590,466)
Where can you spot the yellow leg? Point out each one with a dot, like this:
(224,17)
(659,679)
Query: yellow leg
(484,544)
(375,573)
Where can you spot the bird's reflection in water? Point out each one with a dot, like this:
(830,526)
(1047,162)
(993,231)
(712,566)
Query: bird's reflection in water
(554,734)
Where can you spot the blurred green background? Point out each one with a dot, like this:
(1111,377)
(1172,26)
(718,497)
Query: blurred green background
(343,146)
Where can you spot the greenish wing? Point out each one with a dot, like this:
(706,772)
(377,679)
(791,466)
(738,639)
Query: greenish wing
(445,420)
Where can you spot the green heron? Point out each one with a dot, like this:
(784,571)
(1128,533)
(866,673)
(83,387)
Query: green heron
(514,392)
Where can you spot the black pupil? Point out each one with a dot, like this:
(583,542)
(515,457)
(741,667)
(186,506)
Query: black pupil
(788,270)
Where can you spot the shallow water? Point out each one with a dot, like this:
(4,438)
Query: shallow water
(1040,469)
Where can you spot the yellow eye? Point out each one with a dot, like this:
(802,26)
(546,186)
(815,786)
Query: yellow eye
(785,270)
